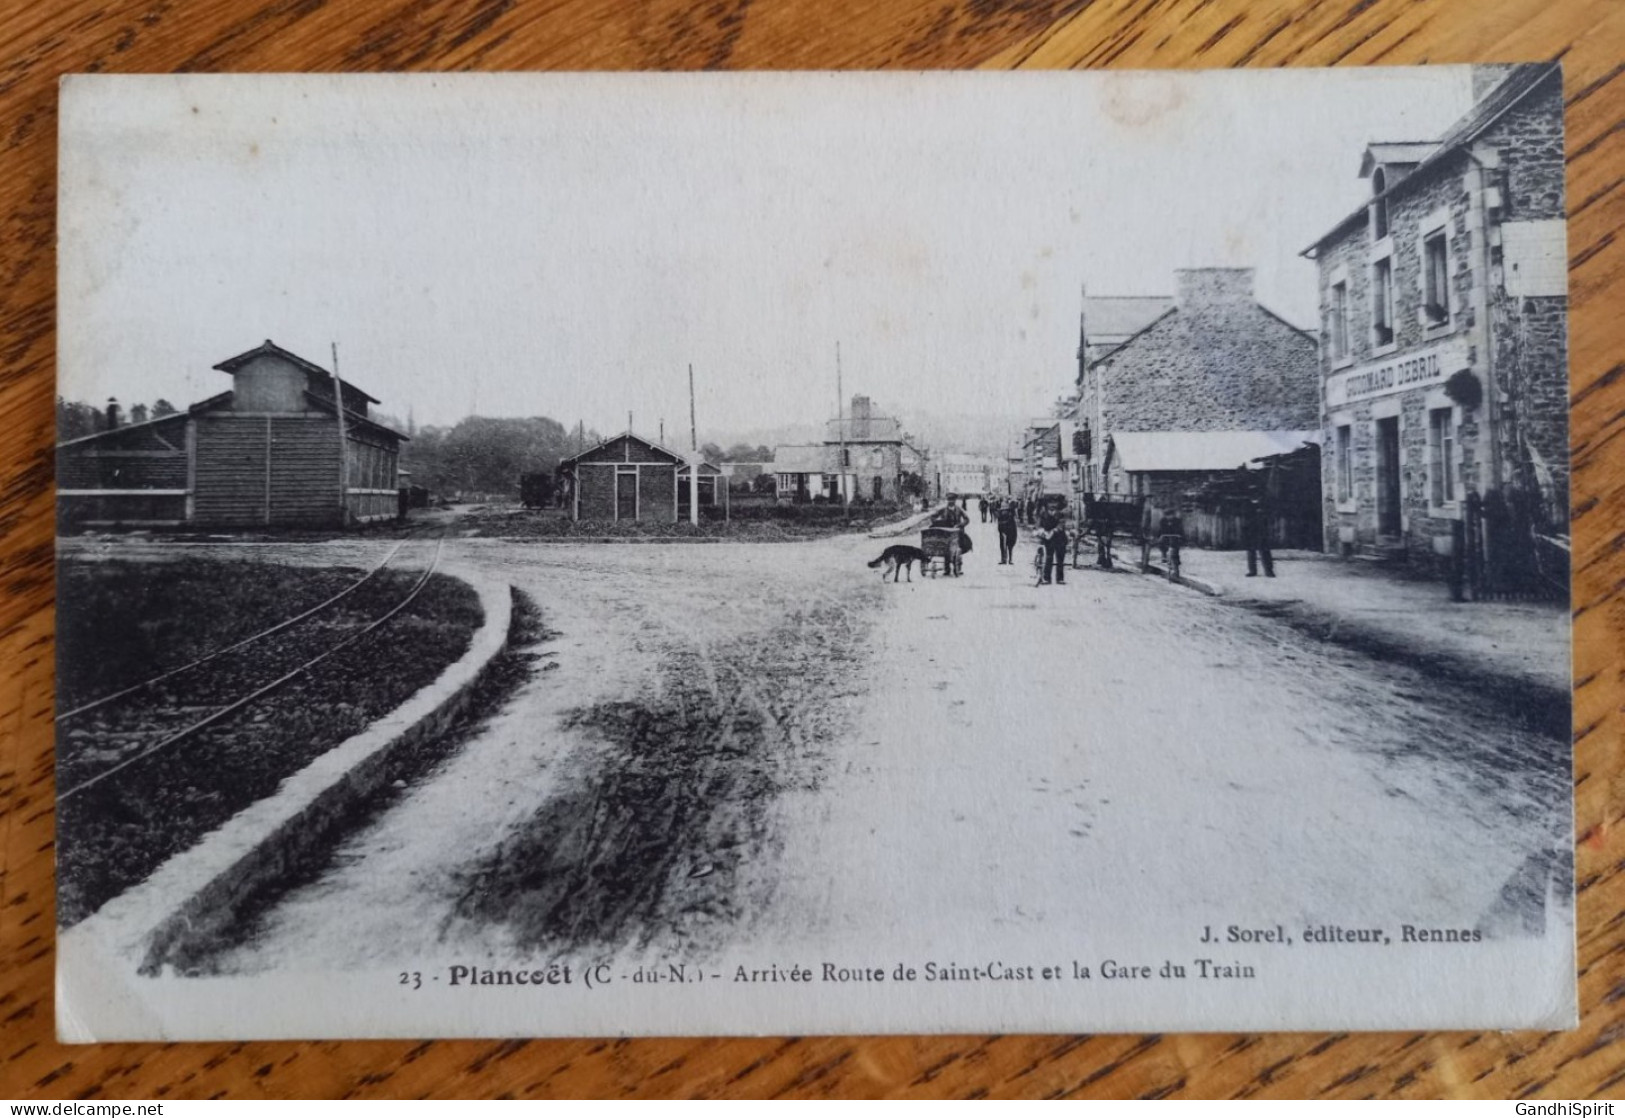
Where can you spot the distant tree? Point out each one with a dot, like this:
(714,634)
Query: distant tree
(764,483)
(486,454)
(711,452)
(162,407)
(74,420)
(744,452)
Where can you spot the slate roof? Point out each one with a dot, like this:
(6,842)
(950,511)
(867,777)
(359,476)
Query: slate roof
(1118,316)
(1519,83)
(806,459)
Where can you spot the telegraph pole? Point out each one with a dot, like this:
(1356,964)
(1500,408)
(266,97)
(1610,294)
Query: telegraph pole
(694,448)
(344,444)
(840,427)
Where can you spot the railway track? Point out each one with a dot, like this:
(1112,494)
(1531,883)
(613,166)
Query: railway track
(110,735)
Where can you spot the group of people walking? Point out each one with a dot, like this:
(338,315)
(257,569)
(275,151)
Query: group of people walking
(1251,493)
(1008,514)
(1025,509)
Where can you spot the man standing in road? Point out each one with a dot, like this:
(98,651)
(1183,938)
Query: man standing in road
(1052,531)
(981,507)
(1255,526)
(1005,514)
(956,518)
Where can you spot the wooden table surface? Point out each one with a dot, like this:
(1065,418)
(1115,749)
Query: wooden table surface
(41,40)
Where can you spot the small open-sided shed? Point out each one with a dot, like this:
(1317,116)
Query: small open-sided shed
(627,477)
(713,489)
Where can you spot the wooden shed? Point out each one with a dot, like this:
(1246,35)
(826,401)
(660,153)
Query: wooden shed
(266,452)
(627,477)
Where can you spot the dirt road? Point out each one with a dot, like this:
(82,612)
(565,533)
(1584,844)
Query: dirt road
(734,746)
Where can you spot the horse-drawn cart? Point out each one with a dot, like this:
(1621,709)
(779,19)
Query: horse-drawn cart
(941,547)
(1106,520)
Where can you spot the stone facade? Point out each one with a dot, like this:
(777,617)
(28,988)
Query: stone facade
(865,452)
(1215,361)
(1456,382)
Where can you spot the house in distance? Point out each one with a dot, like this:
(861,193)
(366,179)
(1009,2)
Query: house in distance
(266,452)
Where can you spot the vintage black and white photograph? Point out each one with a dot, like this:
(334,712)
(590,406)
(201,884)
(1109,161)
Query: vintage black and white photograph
(593,554)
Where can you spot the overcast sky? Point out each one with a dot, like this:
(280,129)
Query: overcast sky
(566,244)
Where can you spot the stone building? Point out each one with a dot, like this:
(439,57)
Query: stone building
(1444,313)
(1214,360)
(863,455)
(265,452)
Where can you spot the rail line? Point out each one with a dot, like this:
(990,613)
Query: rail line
(268,688)
(85,708)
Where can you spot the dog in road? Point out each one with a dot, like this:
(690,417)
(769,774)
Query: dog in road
(900,558)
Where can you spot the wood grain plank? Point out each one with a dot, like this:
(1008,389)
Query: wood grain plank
(40,41)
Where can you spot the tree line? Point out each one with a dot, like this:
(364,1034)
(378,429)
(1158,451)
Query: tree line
(479,454)
(75,419)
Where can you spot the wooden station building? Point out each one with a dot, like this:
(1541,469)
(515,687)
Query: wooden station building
(265,452)
(629,477)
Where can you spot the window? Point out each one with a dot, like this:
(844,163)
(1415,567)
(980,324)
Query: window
(1435,279)
(1442,455)
(1379,207)
(1345,463)
(1340,319)
(876,458)
(1382,301)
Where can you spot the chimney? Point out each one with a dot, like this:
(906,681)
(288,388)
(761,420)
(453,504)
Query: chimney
(862,412)
(1198,288)
(112,413)
(138,413)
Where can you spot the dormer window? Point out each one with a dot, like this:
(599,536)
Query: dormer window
(1379,206)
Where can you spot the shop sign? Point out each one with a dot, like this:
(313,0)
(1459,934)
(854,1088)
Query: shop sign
(1421,368)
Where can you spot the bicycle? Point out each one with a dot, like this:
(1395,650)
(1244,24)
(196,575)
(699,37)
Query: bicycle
(1169,546)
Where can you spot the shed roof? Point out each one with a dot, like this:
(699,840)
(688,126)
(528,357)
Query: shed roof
(706,469)
(1202,451)
(675,455)
(803,459)
(351,416)
(270,348)
(144,425)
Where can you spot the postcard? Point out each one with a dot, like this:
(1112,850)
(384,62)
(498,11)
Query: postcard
(807,553)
